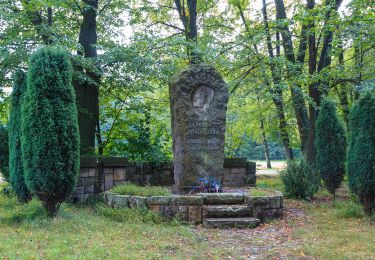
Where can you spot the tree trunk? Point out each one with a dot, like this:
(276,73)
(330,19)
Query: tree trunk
(265,143)
(276,92)
(189,20)
(88,91)
(293,70)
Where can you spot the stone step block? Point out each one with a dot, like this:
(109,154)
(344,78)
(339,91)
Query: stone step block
(225,211)
(222,198)
(231,222)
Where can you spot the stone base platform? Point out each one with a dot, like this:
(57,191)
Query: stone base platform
(219,210)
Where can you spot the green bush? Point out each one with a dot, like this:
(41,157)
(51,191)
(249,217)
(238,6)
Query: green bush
(330,146)
(136,190)
(16,175)
(300,181)
(361,151)
(4,153)
(50,137)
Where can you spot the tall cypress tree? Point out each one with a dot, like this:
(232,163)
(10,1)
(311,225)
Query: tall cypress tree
(361,151)
(330,146)
(50,135)
(17,179)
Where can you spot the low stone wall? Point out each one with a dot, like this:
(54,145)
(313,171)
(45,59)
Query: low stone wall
(100,175)
(191,209)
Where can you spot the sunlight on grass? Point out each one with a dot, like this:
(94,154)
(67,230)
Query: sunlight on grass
(136,190)
(270,182)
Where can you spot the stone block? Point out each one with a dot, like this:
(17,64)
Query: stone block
(108,182)
(227,172)
(157,208)
(235,162)
(108,170)
(138,202)
(275,202)
(92,172)
(84,172)
(238,170)
(170,210)
(183,213)
(195,214)
(222,198)
(251,179)
(89,189)
(108,198)
(262,202)
(187,200)
(158,200)
(120,201)
(119,174)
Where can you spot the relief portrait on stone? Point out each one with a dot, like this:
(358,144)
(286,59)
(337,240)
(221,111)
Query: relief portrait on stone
(202,98)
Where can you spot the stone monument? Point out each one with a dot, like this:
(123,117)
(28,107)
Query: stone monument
(198,98)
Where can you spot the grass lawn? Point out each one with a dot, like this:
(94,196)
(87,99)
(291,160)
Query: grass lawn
(317,229)
(83,233)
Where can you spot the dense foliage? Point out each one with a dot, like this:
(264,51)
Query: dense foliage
(50,137)
(4,153)
(300,181)
(361,151)
(278,57)
(16,176)
(330,146)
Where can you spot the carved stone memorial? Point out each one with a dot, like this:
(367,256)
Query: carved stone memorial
(198,98)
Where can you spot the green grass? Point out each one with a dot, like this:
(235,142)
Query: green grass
(84,232)
(270,182)
(261,192)
(338,231)
(136,190)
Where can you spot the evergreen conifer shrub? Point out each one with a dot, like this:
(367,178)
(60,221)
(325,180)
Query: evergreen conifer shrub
(16,176)
(299,179)
(330,146)
(361,151)
(50,136)
(4,153)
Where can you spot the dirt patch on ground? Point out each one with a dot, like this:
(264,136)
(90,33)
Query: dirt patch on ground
(269,241)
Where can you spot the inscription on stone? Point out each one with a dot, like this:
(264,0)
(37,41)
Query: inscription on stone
(199,99)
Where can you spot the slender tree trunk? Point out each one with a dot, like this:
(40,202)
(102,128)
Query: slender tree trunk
(88,90)
(188,17)
(265,143)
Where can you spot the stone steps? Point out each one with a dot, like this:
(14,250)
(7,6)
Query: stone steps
(243,222)
(222,198)
(226,211)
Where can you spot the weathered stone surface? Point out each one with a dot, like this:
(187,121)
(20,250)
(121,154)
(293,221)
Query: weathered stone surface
(222,198)
(108,181)
(119,174)
(138,202)
(195,214)
(84,172)
(275,202)
(120,201)
(225,211)
(199,99)
(160,200)
(231,222)
(263,202)
(187,200)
